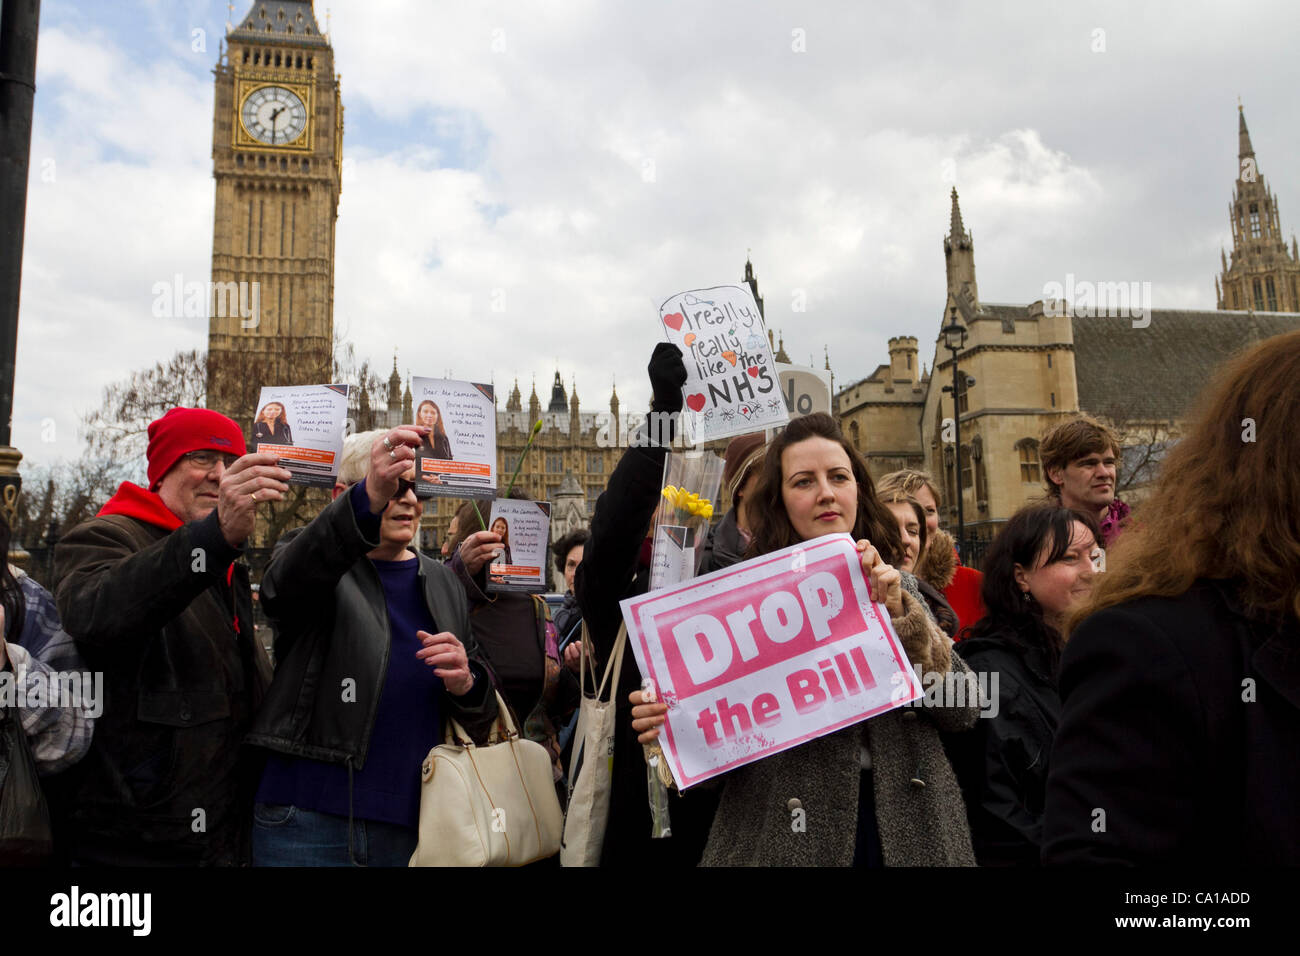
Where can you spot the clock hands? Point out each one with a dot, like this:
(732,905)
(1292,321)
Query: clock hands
(275,115)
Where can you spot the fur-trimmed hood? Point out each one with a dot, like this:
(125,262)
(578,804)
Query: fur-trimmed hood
(938,566)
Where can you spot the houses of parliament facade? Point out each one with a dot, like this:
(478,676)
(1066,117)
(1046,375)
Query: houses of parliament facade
(277,162)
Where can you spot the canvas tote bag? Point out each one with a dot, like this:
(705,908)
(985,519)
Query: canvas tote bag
(487,806)
(593,758)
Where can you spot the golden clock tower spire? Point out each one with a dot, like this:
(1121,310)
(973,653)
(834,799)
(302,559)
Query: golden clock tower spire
(277,160)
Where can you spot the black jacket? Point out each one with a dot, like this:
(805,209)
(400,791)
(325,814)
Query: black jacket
(1179,740)
(332,626)
(724,546)
(152,610)
(609,572)
(1002,762)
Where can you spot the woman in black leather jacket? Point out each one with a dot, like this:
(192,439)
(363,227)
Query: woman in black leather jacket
(375,652)
(1038,568)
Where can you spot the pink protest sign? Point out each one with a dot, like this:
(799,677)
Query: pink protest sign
(766,655)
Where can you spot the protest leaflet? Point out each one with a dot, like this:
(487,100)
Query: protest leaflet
(524,527)
(767,655)
(458,458)
(304,425)
(731,381)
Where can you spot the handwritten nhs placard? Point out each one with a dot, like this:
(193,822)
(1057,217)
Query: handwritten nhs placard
(731,381)
(767,655)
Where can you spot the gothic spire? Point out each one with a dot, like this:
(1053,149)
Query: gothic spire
(956,230)
(1244,148)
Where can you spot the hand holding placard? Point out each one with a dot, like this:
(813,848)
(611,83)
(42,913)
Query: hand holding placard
(769,654)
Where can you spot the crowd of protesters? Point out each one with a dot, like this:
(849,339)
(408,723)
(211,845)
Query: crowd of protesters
(1143,706)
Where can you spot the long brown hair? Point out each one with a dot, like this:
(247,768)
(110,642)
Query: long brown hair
(1227,503)
(772,528)
(438,430)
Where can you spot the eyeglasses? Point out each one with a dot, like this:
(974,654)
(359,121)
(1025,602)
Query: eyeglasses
(403,486)
(206,459)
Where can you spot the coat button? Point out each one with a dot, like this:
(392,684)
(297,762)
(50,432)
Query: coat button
(793,804)
(185,713)
(909,714)
(918,783)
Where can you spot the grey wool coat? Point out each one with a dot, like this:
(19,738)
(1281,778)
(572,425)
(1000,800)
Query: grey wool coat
(919,809)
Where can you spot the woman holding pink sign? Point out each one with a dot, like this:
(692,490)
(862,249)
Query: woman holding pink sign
(878,793)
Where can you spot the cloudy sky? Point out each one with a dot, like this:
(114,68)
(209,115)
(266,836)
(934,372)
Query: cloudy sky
(582,161)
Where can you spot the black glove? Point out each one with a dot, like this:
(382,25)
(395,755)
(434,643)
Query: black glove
(667,376)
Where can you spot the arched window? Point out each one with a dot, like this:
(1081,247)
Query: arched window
(1254,221)
(1031,471)
(853,435)
(1272,294)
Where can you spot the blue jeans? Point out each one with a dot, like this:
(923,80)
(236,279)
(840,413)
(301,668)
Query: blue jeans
(291,836)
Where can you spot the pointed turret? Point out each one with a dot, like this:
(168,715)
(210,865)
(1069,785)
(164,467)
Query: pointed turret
(1244,148)
(752,281)
(515,402)
(559,401)
(407,399)
(534,406)
(959,253)
(613,413)
(395,388)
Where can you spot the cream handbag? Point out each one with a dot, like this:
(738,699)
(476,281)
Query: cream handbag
(487,806)
(592,762)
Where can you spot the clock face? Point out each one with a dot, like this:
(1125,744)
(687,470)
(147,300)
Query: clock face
(274,115)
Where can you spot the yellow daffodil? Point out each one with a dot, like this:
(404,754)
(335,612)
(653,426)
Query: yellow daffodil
(688,503)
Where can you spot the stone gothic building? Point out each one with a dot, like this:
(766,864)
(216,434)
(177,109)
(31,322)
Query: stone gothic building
(1024,368)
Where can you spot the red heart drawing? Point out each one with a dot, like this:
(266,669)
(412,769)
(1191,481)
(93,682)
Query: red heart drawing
(690,337)
(696,402)
(730,357)
(753,371)
(674,320)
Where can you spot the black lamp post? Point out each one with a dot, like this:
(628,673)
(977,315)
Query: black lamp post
(18,25)
(954,340)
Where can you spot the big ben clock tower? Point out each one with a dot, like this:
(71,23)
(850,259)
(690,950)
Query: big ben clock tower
(277,138)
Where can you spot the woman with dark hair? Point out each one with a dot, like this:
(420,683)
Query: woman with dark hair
(272,426)
(568,552)
(883,790)
(1037,569)
(1180,685)
(436,444)
(34,648)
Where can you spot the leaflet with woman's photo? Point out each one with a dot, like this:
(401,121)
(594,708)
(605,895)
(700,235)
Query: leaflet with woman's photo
(304,425)
(458,458)
(524,527)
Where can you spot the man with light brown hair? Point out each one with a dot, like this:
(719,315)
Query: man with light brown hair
(1080,466)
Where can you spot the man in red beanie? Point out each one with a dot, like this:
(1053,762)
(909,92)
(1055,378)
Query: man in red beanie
(150,590)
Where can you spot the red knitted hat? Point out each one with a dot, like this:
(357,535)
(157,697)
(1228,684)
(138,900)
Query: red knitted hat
(184,430)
